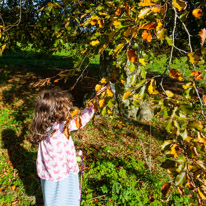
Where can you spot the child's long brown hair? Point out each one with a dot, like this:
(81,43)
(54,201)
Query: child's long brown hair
(52,106)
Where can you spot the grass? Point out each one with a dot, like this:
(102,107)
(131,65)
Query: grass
(122,160)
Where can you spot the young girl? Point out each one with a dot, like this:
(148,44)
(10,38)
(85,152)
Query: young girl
(56,160)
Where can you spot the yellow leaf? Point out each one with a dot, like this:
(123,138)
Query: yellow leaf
(110,93)
(1,27)
(146,3)
(116,22)
(127,94)
(173,150)
(93,22)
(94,17)
(75,112)
(101,23)
(202,138)
(194,57)
(179,4)
(104,80)
(123,81)
(159,25)
(187,86)
(156,9)
(98,87)
(2,48)
(119,48)
(143,13)
(103,48)
(95,43)
(101,102)
(142,61)
(152,87)
(13,187)
(201,193)
(109,112)
(169,93)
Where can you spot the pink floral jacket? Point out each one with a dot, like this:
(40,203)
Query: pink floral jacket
(56,154)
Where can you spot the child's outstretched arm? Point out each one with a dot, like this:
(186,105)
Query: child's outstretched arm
(85,117)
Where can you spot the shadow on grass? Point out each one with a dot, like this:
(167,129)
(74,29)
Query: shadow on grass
(23,161)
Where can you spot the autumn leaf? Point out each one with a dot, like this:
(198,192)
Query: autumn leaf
(104,80)
(147,36)
(204,99)
(116,22)
(159,25)
(101,23)
(193,57)
(118,11)
(142,61)
(95,106)
(98,87)
(152,87)
(127,8)
(169,93)
(197,12)
(2,48)
(95,43)
(179,4)
(175,74)
(156,9)
(75,112)
(127,94)
(101,103)
(202,35)
(131,55)
(201,138)
(67,132)
(197,75)
(174,152)
(146,3)
(109,93)
(201,193)
(119,48)
(78,122)
(165,188)
(143,13)
(148,26)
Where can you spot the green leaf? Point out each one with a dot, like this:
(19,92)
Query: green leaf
(134,79)
(169,126)
(186,109)
(180,179)
(132,67)
(161,34)
(195,125)
(169,41)
(142,72)
(142,92)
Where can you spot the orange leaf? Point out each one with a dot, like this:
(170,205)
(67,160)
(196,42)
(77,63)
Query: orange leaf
(75,112)
(204,99)
(197,75)
(175,74)
(127,8)
(110,93)
(101,102)
(78,122)
(146,3)
(202,35)
(131,55)
(197,12)
(180,190)
(165,188)
(118,11)
(148,26)
(66,132)
(147,36)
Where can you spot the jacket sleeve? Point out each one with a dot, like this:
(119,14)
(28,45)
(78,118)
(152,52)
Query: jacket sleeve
(86,116)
